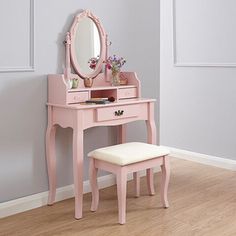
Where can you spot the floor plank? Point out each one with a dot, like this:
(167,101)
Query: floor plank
(202,202)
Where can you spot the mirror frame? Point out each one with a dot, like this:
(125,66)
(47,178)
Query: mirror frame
(102,35)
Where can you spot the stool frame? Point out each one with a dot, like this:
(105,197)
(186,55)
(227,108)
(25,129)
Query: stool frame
(121,180)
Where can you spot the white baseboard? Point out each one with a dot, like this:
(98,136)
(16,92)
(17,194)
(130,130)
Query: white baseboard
(40,199)
(203,158)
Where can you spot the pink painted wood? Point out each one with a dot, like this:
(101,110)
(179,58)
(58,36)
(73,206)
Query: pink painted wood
(121,134)
(65,110)
(136,184)
(121,178)
(94,185)
(121,181)
(165,168)
(50,155)
(67,71)
(150,182)
(151,131)
(103,36)
(122,139)
(78,163)
(74,116)
(59,93)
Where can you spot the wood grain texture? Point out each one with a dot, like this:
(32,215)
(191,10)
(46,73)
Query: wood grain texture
(202,202)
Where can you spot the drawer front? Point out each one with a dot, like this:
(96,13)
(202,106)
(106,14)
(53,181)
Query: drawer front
(127,93)
(76,97)
(119,112)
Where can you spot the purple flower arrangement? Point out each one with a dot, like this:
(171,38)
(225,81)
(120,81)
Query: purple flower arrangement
(115,63)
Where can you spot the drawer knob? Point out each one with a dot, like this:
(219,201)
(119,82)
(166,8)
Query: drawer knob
(119,113)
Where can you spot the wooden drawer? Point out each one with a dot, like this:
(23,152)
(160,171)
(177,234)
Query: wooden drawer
(127,93)
(76,97)
(117,112)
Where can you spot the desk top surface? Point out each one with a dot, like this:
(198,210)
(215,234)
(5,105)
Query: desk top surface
(124,102)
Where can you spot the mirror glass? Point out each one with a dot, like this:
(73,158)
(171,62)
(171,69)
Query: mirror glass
(87,45)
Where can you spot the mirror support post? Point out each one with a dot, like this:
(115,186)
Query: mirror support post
(106,56)
(67,71)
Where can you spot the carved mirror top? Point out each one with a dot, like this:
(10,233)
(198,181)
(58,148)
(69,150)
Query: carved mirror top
(87,45)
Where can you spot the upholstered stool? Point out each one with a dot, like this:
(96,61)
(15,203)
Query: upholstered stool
(124,158)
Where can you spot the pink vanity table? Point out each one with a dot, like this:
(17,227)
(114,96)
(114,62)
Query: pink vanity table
(66,107)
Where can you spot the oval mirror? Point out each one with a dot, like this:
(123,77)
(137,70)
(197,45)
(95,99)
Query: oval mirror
(87,45)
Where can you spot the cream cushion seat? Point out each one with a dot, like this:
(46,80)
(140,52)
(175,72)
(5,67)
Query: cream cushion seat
(128,153)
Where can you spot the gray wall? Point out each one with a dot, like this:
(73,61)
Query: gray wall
(198,103)
(133,27)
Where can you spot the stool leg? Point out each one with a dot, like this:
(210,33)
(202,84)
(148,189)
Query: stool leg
(78,171)
(150,182)
(136,184)
(121,181)
(165,169)
(93,183)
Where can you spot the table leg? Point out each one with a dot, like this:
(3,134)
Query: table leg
(122,133)
(78,171)
(151,138)
(151,126)
(51,161)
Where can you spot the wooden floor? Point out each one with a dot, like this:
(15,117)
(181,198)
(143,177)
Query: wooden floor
(202,202)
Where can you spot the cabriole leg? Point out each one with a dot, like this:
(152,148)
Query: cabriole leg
(93,183)
(51,162)
(165,169)
(151,138)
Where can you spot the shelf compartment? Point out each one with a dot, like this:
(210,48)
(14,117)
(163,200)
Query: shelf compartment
(104,93)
